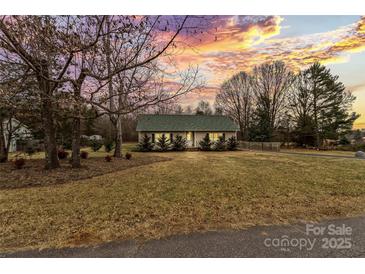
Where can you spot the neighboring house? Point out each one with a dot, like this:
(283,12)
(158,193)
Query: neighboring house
(192,127)
(92,137)
(18,131)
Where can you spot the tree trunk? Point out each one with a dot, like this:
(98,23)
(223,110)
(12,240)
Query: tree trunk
(76,162)
(47,119)
(118,139)
(76,124)
(3,149)
(315,112)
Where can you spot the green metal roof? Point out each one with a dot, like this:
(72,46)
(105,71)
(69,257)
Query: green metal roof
(184,122)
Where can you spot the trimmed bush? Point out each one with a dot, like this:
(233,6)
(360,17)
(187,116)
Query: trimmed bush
(108,144)
(84,154)
(205,144)
(128,156)
(232,143)
(62,154)
(179,143)
(108,158)
(19,163)
(145,144)
(96,145)
(220,144)
(163,144)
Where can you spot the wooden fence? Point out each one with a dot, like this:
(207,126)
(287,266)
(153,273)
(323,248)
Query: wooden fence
(271,146)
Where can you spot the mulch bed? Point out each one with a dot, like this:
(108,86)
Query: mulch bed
(34,174)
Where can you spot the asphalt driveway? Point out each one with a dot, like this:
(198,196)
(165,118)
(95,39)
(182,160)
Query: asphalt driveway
(332,238)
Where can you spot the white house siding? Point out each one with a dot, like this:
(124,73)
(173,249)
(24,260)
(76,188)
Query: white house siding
(200,135)
(197,136)
(21,133)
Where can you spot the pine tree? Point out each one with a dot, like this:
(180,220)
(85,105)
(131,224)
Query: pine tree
(220,144)
(163,144)
(179,143)
(205,144)
(145,144)
(96,144)
(232,143)
(330,103)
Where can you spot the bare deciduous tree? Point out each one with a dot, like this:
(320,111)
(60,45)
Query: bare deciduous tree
(236,100)
(270,84)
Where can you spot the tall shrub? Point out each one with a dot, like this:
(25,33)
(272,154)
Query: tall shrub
(220,144)
(96,145)
(108,144)
(145,144)
(163,144)
(232,143)
(179,143)
(205,144)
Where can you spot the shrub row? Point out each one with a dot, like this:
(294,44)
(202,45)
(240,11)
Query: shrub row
(220,145)
(163,144)
(180,144)
(106,142)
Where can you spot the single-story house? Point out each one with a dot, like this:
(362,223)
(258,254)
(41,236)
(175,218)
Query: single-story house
(191,127)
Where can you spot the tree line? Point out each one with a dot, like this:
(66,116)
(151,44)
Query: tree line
(56,72)
(273,103)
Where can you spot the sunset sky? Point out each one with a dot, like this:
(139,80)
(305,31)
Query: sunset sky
(231,44)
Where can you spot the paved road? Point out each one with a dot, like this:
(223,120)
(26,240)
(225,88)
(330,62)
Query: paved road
(260,241)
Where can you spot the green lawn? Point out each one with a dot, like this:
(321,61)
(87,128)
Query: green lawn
(195,191)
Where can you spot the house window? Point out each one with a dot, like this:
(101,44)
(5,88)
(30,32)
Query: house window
(171,137)
(160,134)
(189,136)
(213,136)
(153,138)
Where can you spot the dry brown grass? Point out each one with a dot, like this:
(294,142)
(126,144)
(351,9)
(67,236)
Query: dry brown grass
(196,191)
(320,152)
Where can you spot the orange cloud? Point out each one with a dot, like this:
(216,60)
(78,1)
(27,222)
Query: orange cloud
(238,43)
(242,42)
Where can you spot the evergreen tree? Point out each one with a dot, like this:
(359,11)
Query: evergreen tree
(260,128)
(205,144)
(220,144)
(163,144)
(145,144)
(329,103)
(108,144)
(96,144)
(344,141)
(179,143)
(232,143)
